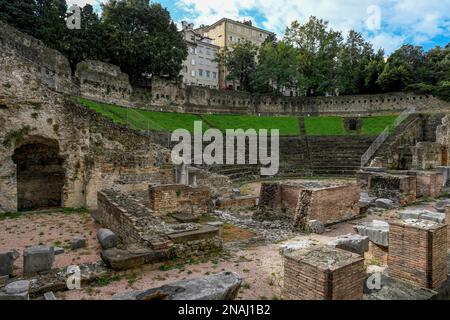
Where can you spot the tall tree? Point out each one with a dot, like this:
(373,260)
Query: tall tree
(319,47)
(143,38)
(51,26)
(240,62)
(277,68)
(353,58)
(21,14)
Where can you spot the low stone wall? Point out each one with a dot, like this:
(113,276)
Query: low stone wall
(178,198)
(110,214)
(399,188)
(237,202)
(301,202)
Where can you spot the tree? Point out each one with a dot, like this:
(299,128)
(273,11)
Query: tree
(19,14)
(353,59)
(318,47)
(240,62)
(394,78)
(143,40)
(372,72)
(51,26)
(90,42)
(277,68)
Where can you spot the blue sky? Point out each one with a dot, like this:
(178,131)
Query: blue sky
(385,23)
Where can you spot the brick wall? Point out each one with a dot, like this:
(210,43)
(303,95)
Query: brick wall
(418,252)
(399,188)
(323,273)
(174,198)
(237,202)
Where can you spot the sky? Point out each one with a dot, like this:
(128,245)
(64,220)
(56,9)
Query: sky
(387,24)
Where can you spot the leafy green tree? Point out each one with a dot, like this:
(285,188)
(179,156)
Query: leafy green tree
(240,63)
(20,14)
(355,55)
(90,42)
(277,68)
(51,26)
(318,47)
(372,72)
(394,78)
(143,40)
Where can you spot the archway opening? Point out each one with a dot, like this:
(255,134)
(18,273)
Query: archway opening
(40,175)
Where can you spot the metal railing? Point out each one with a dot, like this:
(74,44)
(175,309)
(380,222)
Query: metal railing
(384,135)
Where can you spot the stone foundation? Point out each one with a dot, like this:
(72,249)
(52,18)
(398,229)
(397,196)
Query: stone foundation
(418,252)
(323,273)
(377,252)
(398,188)
(241,202)
(178,198)
(302,202)
(135,224)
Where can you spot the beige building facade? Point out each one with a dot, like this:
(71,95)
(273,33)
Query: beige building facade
(225,33)
(200,67)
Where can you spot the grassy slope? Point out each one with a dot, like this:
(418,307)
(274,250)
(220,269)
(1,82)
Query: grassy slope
(167,121)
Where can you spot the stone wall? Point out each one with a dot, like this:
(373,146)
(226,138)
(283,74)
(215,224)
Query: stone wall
(96,153)
(301,202)
(399,188)
(177,198)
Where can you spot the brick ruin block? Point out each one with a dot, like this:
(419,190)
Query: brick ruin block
(429,184)
(447,221)
(240,202)
(380,253)
(179,198)
(323,273)
(399,188)
(418,252)
(305,201)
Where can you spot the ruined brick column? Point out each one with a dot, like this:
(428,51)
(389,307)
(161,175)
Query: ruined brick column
(447,221)
(323,273)
(418,252)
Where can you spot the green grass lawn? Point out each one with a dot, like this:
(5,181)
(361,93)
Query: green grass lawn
(325,126)
(376,124)
(169,121)
(286,125)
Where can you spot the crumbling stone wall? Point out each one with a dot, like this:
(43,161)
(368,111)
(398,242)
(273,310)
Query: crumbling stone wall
(177,198)
(329,203)
(399,188)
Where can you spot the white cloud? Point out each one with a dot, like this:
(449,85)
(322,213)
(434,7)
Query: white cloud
(402,20)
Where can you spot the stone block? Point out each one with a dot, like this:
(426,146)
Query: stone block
(294,246)
(377,231)
(7,259)
(351,242)
(118,259)
(315,226)
(323,273)
(445,171)
(78,243)
(38,259)
(107,238)
(422,214)
(58,250)
(418,252)
(222,286)
(204,232)
(217,224)
(17,290)
(401,189)
(49,296)
(385,204)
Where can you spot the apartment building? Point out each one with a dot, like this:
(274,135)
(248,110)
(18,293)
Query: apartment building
(200,67)
(225,33)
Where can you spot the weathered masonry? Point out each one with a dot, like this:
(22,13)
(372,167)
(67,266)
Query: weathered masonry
(305,201)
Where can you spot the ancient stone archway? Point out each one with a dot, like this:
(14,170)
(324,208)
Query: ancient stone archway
(40,174)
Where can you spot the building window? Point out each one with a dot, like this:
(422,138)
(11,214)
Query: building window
(231,38)
(193,38)
(208,53)
(208,74)
(193,62)
(185,69)
(195,51)
(200,72)
(238,29)
(191,50)
(214,74)
(200,61)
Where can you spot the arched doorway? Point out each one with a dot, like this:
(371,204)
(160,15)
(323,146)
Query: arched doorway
(40,174)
